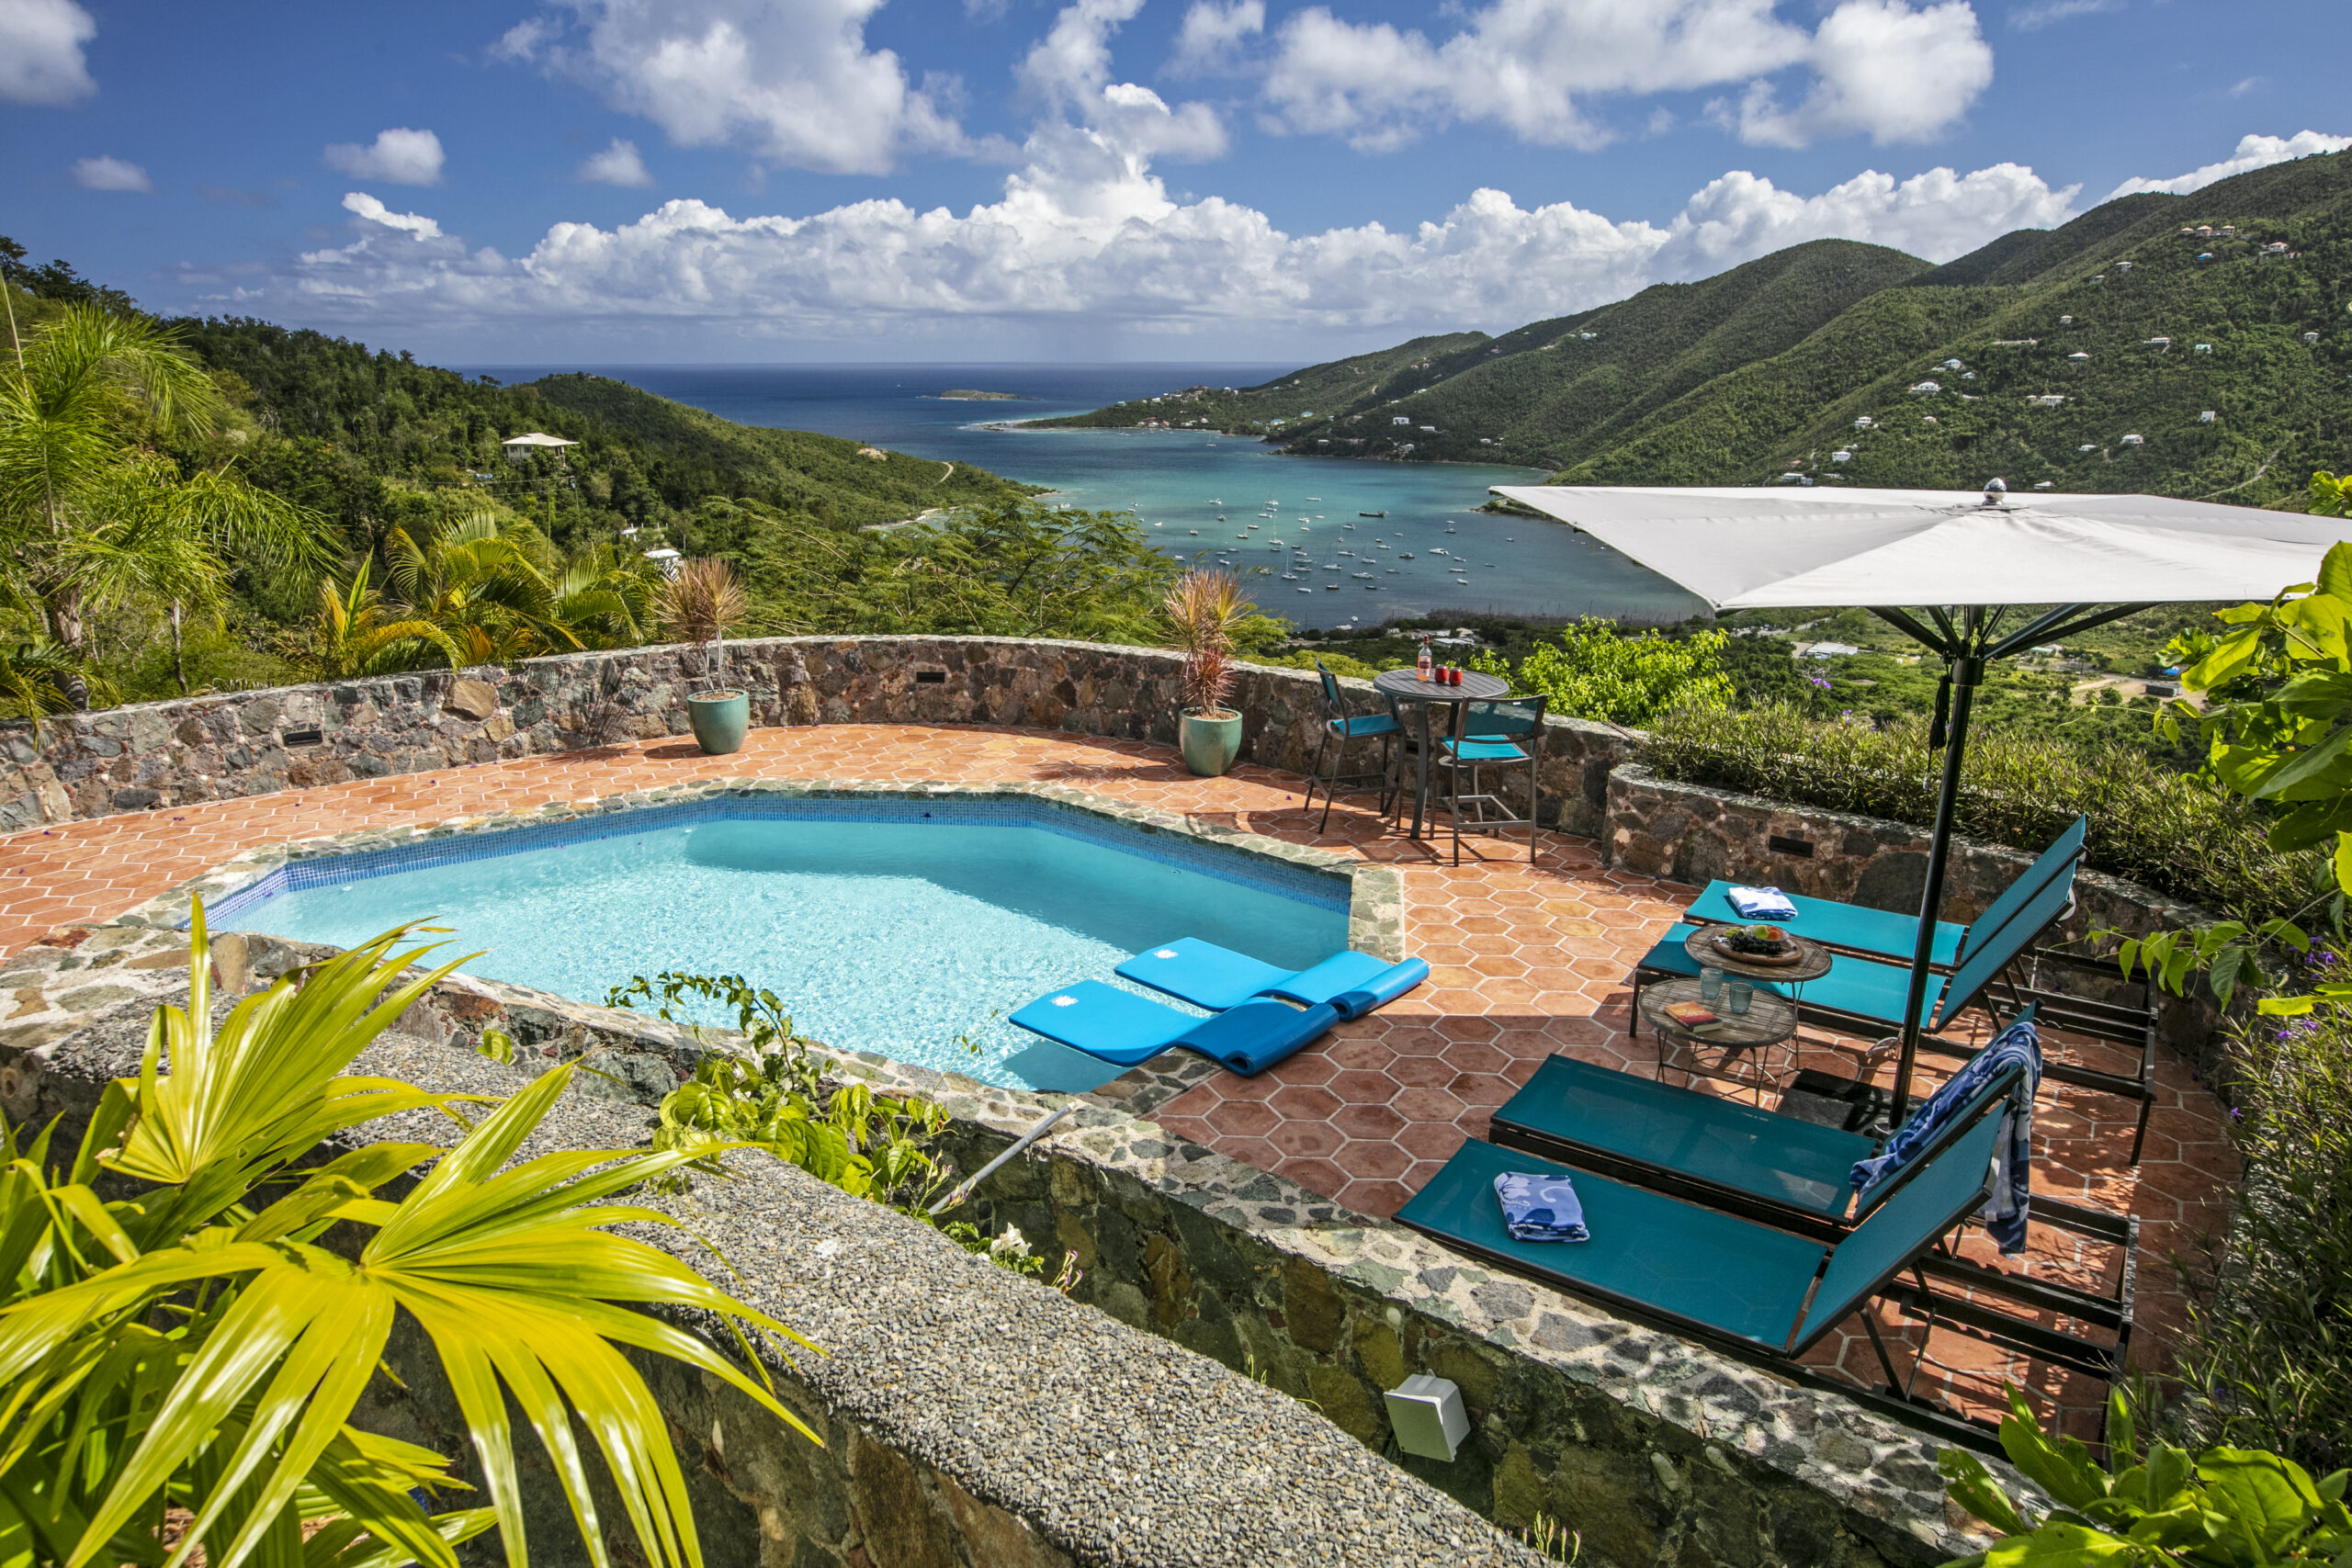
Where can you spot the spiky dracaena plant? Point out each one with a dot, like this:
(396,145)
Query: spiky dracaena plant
(191,1349)
(701,602)
(1206,607)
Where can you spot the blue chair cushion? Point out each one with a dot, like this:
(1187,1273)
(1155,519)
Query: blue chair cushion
(1217,977)
(1839,925)
(1126,1030)
(1738,1278)
(1207,976)
(1251,1038)
(1380,991)
(1484,751)
(1363,724)
(1104,1022)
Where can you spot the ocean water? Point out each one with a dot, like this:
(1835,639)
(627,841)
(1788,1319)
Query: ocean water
(914,940)
(1179,483)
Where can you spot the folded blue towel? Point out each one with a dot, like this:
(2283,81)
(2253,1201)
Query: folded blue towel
(1761,903)
(1541,1208)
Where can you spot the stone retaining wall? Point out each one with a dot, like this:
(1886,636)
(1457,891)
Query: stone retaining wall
(154,755)
(1696,833)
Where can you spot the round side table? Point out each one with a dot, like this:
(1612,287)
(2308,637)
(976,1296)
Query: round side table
(1750,1050)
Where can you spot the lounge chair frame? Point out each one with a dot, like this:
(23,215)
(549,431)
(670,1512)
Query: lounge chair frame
(1894,1401)
(2110,1314)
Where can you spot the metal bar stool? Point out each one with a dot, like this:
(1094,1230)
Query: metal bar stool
(1501,732)
(1338,728)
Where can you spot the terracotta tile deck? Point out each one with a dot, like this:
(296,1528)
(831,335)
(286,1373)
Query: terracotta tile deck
(1525,961)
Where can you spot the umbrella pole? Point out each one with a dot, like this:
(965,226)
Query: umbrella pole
(1965,672)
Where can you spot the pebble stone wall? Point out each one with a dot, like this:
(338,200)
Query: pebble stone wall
(155,755)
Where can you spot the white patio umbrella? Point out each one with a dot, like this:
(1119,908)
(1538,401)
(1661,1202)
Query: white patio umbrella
(1955,569)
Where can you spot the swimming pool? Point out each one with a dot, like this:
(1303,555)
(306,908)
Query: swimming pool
(911,928)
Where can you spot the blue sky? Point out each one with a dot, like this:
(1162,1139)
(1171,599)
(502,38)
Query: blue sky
(668,181)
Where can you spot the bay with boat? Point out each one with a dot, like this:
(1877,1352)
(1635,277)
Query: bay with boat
(1322,541)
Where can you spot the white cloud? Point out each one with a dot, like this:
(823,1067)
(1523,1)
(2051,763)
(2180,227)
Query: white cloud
(1882,67)
(110,173)
(400,156)
(374,211)
(1086,234)
(789,81)
(2254,153)
(618,164)
(41,51)
(2035,16)
(1212,35)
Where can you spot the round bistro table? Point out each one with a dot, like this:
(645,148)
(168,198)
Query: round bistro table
(1745,1039)
(1812,959)
(1407,686)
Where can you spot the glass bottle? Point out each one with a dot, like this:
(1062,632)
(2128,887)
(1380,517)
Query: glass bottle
(1421,666)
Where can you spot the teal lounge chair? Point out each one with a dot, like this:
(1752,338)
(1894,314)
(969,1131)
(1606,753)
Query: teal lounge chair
(1756,1290)
(1714,1151)
(1863,994)
(1854,928)
(1126,1030)
(1217,977)
(1794,1174)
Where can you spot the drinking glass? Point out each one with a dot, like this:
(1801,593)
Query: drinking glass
(1738,996)
(1711,983)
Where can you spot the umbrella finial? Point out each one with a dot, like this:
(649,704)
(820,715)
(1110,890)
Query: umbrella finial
(1993,490)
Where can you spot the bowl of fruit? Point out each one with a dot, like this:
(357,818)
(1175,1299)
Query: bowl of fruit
(1758,944)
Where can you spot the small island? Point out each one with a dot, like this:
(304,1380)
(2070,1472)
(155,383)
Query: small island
(966,395)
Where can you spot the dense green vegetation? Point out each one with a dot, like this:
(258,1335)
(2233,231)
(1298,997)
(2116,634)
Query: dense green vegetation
(1762,372)
(406,536)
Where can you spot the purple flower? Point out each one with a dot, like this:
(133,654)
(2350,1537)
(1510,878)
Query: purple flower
(1821,681)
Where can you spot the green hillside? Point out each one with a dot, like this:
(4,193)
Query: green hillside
(363,436)
(1762,372)
(1300,399)
(2234,307)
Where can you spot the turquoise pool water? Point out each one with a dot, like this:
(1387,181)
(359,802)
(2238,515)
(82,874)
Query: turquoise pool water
(912,931)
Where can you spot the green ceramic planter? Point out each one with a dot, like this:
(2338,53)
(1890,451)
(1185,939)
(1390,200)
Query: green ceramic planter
(1209,744)
(719,719)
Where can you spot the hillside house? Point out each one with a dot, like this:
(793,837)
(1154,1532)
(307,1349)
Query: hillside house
(2205,418)
(1925,390)
(2136,441)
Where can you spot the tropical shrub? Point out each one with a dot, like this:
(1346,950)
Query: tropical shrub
(700,601)
(1596,672)
(2218,1507)
(2179,834)
(1208,606)
(2267,1359)
(776,1099)
(180,1357)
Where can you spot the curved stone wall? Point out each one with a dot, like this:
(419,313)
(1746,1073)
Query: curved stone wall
(160,754)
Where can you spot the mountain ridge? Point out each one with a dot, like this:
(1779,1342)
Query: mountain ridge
(1760,372)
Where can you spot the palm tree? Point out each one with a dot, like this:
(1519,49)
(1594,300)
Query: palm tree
(358,634)
(476,580)
(89,512)
(173,1335)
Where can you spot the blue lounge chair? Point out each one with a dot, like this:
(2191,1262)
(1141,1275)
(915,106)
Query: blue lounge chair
(1861,994)
(1217,977)
(1713,1151)
(1756,1290)
(1126,1030)
(1792,1173)
(1853,927)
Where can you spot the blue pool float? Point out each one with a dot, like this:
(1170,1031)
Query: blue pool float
(1126,1030)
(1217,977)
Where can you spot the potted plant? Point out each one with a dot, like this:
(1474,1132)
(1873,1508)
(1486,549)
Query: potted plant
(700,602)
(1206,606)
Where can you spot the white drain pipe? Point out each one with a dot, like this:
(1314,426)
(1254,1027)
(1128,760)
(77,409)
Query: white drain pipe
(963,1189)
